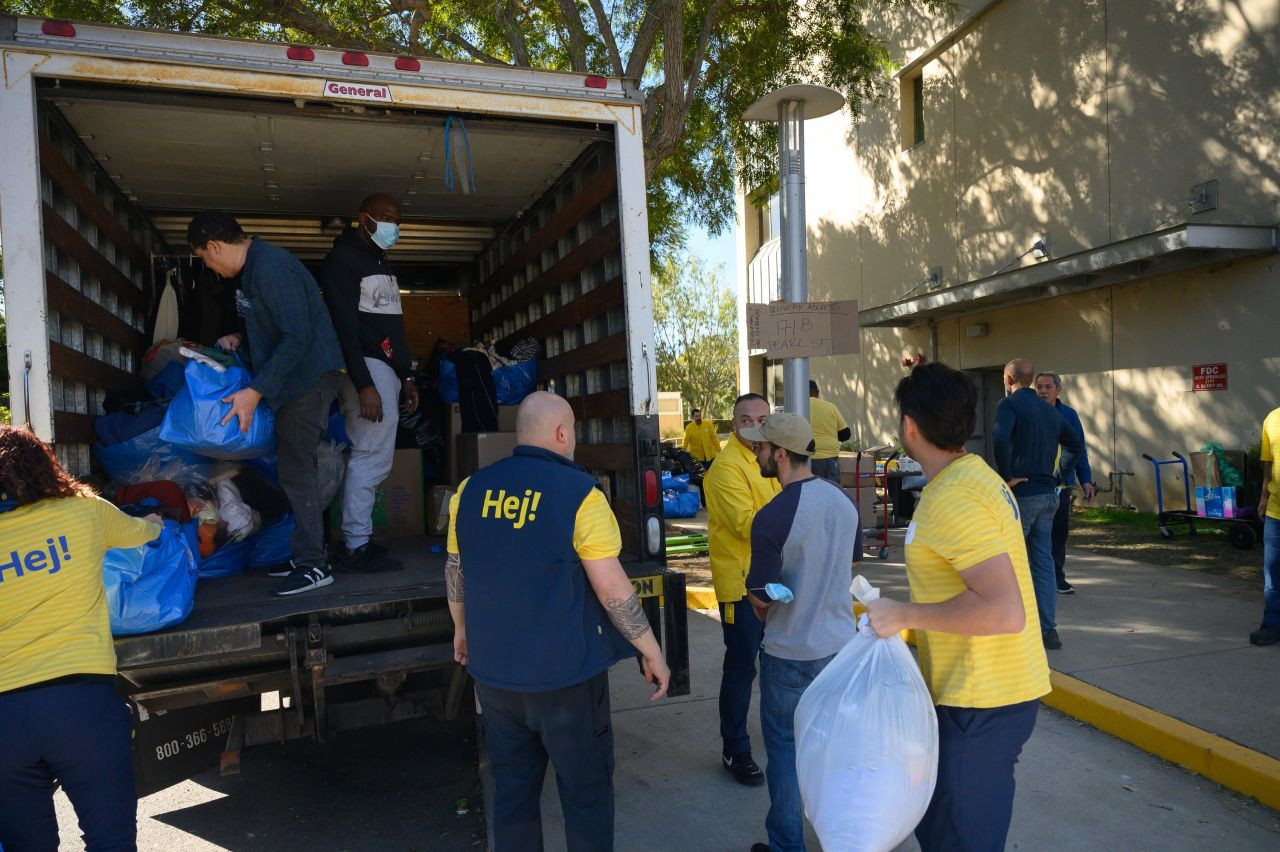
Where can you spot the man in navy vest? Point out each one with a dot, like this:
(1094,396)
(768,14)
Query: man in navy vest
(540,614)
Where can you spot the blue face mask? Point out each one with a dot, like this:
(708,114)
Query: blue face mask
(385,234)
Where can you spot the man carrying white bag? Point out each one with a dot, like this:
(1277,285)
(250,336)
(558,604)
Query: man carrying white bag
(974,612)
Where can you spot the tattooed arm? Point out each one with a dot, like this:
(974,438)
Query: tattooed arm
(455,590)
(619,600)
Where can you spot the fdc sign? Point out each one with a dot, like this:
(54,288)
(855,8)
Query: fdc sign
(1208,377)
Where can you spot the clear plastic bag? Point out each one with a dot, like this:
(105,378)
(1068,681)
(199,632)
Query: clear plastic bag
(866,743)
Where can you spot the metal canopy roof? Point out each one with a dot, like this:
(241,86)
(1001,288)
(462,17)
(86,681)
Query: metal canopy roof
(1183,247)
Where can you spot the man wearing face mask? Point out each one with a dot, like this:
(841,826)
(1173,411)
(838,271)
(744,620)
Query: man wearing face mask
(363,296)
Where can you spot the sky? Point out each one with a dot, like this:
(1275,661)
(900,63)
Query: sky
(713,251)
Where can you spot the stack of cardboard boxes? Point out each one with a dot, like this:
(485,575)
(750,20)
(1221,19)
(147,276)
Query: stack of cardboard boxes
(467,453)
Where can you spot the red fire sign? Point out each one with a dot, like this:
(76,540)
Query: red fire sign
(1207,377)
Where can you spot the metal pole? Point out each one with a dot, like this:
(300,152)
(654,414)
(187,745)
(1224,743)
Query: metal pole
(795,271)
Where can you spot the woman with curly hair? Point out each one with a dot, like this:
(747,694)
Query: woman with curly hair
(61,719)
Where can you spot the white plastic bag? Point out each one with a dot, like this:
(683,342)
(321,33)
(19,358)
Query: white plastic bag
(866,743)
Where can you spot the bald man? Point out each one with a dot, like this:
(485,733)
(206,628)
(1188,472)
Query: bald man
(363,296)
(541,609)
(1025,440)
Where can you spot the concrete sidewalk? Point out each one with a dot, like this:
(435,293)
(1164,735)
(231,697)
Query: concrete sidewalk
(1173,640)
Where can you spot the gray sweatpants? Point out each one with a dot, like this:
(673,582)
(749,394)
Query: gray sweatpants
(373,447)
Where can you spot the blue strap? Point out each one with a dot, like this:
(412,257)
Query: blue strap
(448,160)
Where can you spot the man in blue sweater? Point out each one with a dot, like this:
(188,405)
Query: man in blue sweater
(1048,387)
(1027,435)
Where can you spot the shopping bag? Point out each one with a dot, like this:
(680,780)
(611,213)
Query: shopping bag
(272,546)
(447,383)
(866,743)
(231,558)
(125,461)
(680,504)
(150,587)
(515,381)
(675,482)
(194,418)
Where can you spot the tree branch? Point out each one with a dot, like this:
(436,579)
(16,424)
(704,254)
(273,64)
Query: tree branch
(577,35)
(477,53)
(606,33)
(645,38)
(506,14)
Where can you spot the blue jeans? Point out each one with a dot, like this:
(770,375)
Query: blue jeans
(76,733)
(1271,573)
(1037,527)
(973,800)
(742,634)
(782,682)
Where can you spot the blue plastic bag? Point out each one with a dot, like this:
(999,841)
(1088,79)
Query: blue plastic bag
(150,587)
(272,546)
(128,457)
(678,482)
(447,383)
(194,418)
(516,381)
(231,558)
(680,504)
(166,383)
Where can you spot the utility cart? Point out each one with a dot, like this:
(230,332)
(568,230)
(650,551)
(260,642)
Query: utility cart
(1242,531)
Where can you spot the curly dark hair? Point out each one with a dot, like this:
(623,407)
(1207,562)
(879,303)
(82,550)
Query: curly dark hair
(29,471)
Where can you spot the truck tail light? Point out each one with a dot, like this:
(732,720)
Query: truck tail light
(596,82)
(653,535)
(407,63)
(652,489)
(302,54)
(58,28)
(352,57)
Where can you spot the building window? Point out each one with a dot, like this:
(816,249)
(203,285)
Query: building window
(768,219)
(912,96)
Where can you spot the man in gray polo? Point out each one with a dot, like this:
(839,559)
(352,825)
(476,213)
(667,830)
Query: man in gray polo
(807,539)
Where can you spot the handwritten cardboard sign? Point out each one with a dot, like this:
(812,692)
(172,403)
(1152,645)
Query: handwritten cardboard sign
(803,329)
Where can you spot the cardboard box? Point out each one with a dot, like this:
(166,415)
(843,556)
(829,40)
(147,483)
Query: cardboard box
(481,449)
(506,423)
(399,507)
(868,515)
(1216,501)
(438,498)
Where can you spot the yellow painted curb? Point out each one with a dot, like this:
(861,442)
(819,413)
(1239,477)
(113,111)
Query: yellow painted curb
(700,597)
(1231,765)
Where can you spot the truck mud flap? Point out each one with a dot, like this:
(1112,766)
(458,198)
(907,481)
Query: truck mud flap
(662,597)
(173,746)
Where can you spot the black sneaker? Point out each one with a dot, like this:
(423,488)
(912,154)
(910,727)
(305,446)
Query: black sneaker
(1051,640)
(365,560)
(284,569)
(743,769)
(304,580)
(759,847)
(1065,588)
(1265,636)
(376,549)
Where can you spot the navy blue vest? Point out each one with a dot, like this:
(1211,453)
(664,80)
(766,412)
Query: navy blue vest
(533,622)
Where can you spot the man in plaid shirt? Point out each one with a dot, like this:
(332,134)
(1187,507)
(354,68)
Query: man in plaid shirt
(288,338)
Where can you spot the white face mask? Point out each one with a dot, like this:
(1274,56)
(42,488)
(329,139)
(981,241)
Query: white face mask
(384,234)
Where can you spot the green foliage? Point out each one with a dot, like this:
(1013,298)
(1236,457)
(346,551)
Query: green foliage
(699,63)
(696,334)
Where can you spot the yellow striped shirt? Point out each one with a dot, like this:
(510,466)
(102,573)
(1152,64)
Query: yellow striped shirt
(966,516)
(53,610)
(595,529)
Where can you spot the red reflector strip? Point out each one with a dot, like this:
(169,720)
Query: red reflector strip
(651,490)
(594,82)
(302,54)
(353,58)
(407,63)
(58,28)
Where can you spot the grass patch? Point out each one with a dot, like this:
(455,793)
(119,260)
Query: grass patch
(1114,516)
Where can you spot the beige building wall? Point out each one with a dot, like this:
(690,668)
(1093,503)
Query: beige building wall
(1089,122)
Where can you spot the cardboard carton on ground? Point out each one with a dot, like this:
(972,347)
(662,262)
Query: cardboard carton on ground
(866,502)
(481,449)
(399,507)
(1217,501)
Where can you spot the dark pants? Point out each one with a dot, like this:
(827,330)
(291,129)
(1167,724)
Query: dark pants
(702,489)
(300,426)
(828,469)
(1061,525)
(572,727)
(973,800)
(742,635)
(782,682)
(75,733)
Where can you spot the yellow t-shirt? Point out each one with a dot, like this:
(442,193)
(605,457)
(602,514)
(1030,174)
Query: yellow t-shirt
(595,529)
(827,422)
(53,610)
(701,441)
(967,515)
(735,492)
(1270,443)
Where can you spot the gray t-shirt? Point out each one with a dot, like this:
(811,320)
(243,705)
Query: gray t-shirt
(806,538)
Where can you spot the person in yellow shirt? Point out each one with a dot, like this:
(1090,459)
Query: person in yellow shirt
(829,429)
(61,717)
(735,491)
(701,439)
(541,609)
(1269,511)
(973,608)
